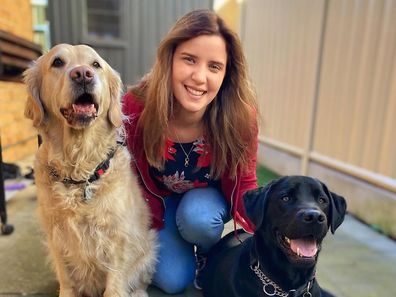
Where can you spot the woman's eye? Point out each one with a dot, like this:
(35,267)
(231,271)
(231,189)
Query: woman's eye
(96,65)
(57,63)
(188,60)
(285,198)
(215,67)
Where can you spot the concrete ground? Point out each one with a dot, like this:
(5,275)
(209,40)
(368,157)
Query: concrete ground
(356,261)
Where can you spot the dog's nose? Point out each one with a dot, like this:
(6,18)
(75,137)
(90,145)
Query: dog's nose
(82,75)
(313,216)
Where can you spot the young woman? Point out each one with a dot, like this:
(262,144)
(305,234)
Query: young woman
(192,131)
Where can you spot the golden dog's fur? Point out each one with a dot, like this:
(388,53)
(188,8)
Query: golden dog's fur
(100,243)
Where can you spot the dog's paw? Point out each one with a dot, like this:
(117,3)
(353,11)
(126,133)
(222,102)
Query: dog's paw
(115,293)
(66,293)
(139,293)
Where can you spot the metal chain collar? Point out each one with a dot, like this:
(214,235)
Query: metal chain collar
(272,289)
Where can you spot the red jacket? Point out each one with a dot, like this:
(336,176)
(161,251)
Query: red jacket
(232,189)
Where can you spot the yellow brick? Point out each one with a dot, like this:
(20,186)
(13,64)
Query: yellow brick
(16,132)
(12,99)
(16,16)
(6,118)
(18,137)
(14,106)
(20,151)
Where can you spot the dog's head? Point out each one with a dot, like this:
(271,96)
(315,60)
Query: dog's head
(293,214)
(72,84)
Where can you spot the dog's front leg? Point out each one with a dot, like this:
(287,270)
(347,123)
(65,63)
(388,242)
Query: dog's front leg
(139,293)
(66,292)
(120,284)
(65,287)
(116,285)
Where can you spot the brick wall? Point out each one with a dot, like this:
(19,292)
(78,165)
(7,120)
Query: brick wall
(16,18)
(18,137)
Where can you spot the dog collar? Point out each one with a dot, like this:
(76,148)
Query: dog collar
(270,288)
(99,171)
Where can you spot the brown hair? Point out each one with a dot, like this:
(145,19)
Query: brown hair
(230,120)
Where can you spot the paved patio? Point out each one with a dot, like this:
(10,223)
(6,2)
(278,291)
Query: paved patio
(356,261)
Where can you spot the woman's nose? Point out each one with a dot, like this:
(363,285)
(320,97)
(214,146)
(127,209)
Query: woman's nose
(199,74)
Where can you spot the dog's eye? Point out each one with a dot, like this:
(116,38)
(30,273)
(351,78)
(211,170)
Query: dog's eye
(285,198)
(57,63)
(322,200)
(96,65)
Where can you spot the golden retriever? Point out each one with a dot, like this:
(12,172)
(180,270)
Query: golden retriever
(96,221)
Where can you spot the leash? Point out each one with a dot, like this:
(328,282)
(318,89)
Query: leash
(236,235)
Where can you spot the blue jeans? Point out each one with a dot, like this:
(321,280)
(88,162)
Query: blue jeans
(194,219)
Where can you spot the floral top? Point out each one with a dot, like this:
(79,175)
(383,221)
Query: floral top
(187,166)
(232,188)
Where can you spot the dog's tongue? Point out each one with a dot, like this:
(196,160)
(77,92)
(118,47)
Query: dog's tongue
(304,247)
(84,108)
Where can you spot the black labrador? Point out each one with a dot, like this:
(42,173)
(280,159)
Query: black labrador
(292,216)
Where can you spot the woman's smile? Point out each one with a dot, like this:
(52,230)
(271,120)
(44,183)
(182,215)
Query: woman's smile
(195,92)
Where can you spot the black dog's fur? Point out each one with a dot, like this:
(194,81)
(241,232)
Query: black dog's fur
(294,207)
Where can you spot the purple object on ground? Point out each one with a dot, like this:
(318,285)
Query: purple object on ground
(13,187)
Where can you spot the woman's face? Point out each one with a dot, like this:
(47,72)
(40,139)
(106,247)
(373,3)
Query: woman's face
(198,70)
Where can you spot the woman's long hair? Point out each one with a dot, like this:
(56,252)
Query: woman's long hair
(230,120)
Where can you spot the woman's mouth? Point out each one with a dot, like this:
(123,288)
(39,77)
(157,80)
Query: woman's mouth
(194,92)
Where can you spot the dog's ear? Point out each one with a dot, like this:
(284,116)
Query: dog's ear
(255,202)
(338,207)
(115,85)
(34,109)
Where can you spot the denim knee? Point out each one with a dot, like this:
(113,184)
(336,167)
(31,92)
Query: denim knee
(201,215)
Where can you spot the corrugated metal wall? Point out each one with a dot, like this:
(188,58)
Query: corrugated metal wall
(282,46)
(358,86)
(325,76)
(143,23)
